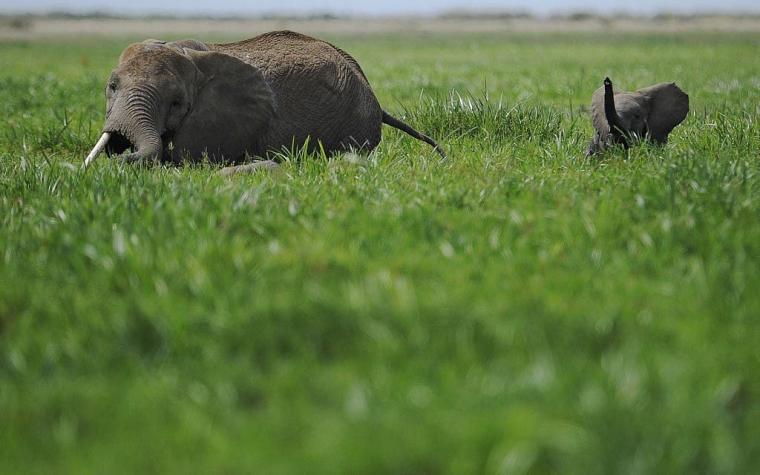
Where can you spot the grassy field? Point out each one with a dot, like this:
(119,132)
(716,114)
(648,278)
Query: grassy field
(514,309)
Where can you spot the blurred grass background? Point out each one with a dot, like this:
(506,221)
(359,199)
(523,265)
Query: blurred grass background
(515,309)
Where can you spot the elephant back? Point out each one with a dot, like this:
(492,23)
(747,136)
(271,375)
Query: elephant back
(320,91)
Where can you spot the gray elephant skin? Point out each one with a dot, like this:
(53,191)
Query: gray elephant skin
(187,100)
(650,113)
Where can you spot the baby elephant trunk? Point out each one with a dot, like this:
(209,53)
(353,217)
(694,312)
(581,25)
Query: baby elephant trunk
(610,113)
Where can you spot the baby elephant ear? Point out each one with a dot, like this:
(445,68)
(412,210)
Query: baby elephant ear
(232,108)
(668,106)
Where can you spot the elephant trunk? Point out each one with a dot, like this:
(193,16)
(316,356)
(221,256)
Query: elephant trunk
(610,113)
(147,143)
(133,123)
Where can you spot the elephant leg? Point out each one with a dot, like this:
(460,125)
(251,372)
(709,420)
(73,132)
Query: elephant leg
(249,168)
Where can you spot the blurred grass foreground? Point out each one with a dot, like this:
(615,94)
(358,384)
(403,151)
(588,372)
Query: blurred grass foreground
(514,309)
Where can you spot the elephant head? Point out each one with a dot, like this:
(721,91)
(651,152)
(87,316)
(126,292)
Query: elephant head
(168,101)
(650,113)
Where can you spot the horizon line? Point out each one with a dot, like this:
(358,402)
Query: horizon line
(326,14)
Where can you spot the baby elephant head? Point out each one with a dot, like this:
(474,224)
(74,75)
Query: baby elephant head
(169,101)
(650,113)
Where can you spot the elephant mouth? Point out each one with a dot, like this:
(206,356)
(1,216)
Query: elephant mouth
(118,144)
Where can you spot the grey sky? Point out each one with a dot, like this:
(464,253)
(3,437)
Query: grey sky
(375,7)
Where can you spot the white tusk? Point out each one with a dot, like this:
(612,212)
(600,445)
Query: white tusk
(97,149)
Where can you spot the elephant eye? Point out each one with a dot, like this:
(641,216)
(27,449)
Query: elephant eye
(112,86)
(176,104)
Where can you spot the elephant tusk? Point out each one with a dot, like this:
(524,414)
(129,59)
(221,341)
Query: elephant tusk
(97,149)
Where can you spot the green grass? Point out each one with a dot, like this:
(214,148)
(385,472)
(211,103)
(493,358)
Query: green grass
(516,308)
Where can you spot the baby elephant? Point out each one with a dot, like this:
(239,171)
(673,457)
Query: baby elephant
(190,100)
(651,113)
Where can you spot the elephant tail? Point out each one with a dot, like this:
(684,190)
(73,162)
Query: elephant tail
(404,127)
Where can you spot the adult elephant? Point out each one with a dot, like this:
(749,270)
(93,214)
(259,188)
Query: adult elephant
(187,100)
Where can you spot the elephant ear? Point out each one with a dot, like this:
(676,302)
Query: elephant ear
(189,45)
(668,106)
(232,109)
